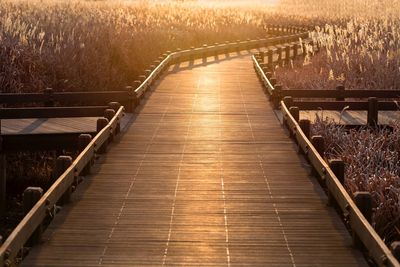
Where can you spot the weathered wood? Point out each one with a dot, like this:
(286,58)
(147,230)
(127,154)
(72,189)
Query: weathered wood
(62,164)
(51,112)
(101,124)
(363,201)
(288,100)
(319,143)
(109,114)
(372,116)
(325,93)
(31,196)
(295,51)
(83,141)
(270,57)
(65,98)
(341,105)
(295,112)
(395,248)
(48,93)
(338,168)
(340,89)
(305,126)
(116,106)
(287,54)
(273,81)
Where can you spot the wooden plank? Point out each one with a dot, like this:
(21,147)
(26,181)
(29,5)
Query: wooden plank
(52,112)
(323,93)
(350,117)
(96,98)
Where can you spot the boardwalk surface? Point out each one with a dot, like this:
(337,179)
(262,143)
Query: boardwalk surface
(203,176)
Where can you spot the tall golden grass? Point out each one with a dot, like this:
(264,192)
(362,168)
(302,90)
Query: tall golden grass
(105,45)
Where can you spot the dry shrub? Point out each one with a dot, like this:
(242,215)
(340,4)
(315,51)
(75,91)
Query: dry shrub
(363,54)
(371,158)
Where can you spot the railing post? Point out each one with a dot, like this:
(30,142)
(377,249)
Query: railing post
(295,50)
(270,58)
(3,177)
(129,103)
(340,92)
(372,116)
(30,197)
(305,126)
(273,81)
(287,54)
(295,112)
(288,100)
(261,54)
(48,94)
(276,96)
(395,248)
(318,143)
(109,115)
(204,55)
(62,164)
(101,123)
(363,201)
(115,106)
(83,141)
(338,168)
(279,52)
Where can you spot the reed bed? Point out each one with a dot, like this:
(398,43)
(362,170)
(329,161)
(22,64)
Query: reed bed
(106,45)
(361,52)
(371,157)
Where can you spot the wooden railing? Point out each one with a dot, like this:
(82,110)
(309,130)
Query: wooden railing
(363,230)
(331,174)
(68,179)
(294,34)
(264,68)
(29,229)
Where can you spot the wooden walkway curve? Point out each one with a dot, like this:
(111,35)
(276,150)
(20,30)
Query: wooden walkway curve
(204,175)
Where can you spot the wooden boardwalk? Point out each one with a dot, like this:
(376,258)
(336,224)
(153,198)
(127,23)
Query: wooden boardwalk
(204,175)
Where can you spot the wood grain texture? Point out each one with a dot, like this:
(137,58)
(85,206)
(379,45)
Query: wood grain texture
(204,175)
(352,117)
(52,125)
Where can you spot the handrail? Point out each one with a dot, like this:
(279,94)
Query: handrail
(183,55)
(378,250)
(45,206)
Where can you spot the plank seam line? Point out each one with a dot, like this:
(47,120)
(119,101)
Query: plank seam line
(228,256)
(131,186)
(177,184)
(267,183)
